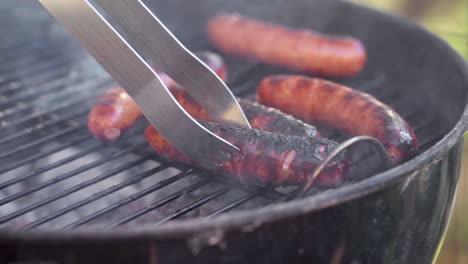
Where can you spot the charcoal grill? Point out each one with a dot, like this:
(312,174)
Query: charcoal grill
(68,198)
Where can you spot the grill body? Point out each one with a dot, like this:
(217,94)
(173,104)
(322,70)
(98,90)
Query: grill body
(402,223)
(397,216)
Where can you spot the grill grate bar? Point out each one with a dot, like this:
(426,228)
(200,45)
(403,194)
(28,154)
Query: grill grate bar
(13,110)
(58,107)
(50,166)
(96,146)
(39,39)
(39,114)
(37,142)
(234,204)
(12,44)
(195,205)
(41,155)
(27,73)
(103,193)
(42,90)
(267,192)
(33,80)
(160,203)
(289,196)
(130,199)
(69,191)
(69,174)
(50,75)
(51,100)
(44,85)
(29,61)
(32,50)
(41,126)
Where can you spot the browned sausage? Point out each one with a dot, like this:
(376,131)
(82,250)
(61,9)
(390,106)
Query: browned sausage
(298,49)
(115,111)
(354,112)
(259,116)
(265,157)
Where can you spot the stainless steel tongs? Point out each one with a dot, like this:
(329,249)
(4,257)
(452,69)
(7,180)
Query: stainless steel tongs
(151,38)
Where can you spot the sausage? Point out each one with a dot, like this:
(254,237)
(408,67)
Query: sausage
(265,157)
(259,116)
(346,109)
(115,111)
(298,49)
(273,120)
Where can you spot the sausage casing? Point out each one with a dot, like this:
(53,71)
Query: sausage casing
(301,49)
(265,157)
(346,109)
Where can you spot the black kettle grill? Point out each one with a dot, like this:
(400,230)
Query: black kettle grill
(68,198)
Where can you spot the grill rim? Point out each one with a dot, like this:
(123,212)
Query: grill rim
(284,210)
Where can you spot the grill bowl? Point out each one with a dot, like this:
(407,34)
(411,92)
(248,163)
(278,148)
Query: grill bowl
(398,216)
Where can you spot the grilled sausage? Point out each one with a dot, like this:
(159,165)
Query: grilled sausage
(259,116)
(116,111)
(273,120)
(265,157)
(113,112)
(298,49)
(334,105)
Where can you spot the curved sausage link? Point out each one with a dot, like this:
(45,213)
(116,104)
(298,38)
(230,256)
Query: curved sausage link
(298,49)
(265,157)
(115,111)
(334,105)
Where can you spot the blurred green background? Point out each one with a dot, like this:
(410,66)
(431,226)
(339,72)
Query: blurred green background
(448,19)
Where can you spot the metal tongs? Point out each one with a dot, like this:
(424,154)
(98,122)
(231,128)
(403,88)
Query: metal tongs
(85,22)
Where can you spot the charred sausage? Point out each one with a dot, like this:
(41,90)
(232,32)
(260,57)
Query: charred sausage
(259,116)
(273,120)
(334,105)
(265,157)
(298,49)
(115,111)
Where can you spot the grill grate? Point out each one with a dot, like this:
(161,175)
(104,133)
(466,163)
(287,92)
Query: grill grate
(54,174)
